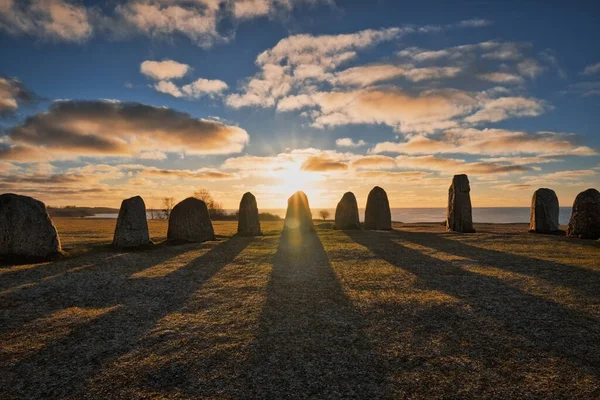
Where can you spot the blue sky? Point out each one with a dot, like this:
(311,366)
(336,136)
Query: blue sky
(103,101)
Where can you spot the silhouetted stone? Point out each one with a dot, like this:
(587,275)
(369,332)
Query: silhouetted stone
(377,214)
(585,217)
(189,221)
(544,212)
(132,226)
(26,229)
(459,214)
(298,215)
(248,223)
(346,213)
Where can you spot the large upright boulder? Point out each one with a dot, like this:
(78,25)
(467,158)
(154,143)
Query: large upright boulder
(544,212)
(346,213)
(377,214)
(26,229)
(132,225)
(248,223)
(585,217)
(459,214)
(298,216)
(190,221)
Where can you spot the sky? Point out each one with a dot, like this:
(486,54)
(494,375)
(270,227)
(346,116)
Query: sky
(101,101)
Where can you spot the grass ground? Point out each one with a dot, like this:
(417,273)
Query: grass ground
(410,313)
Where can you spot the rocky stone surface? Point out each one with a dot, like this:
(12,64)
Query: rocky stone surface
(248,223)
(377,214)
(346,213)
(585,217)
(459,214)
(26,229)
(132,225)
(298,215)
(544,211)
(189,221)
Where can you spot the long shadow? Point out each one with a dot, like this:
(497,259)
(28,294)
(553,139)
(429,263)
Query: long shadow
(83,281)
(581,280)
(309,343)
(535,327)
(62,368)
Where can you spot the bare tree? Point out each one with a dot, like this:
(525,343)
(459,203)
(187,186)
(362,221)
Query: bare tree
(214,209)
(324,214)
(168,203)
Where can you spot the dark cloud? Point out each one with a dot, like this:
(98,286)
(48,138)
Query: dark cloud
(95,127)
(12,95)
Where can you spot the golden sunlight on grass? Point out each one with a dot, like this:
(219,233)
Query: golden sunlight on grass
(411,313)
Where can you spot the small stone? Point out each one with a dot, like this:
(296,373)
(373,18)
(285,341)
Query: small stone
(132,225)
(298,215)
(346,213)
(189,221)
(585,217)
(544,211)
(26,229)
(248,223)
(377,214)
(459,214)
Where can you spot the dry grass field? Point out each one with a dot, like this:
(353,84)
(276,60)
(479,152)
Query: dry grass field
(410,313)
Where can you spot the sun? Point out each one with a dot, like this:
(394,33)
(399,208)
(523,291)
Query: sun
(292,178)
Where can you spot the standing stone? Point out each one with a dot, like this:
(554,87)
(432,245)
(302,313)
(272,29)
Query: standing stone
(189,221)
(544,212)
(346,213)
(585,217)
(132,226)
(26,229)
(377,214)
(459,215)
(298,215)
(248,223)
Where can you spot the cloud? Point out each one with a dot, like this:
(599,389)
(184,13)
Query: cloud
(247,9)
(376,162)
(575,174)
(322,163)
(370,74)
(348,142)
(451,165)
(169,88)
(72,128)
(508,107)
(584,89)
(489,142)
(298,58)
(202,87)
(164,70)
(12,94)
(202,173)
(474,23)
(47,19)
(592,69)
(501,77)
(427,111)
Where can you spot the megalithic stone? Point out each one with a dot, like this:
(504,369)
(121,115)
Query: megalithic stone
(132,225)
(248,223)
(26,229)
(346,213)
(585,217)
(298,215)
(544,211)
(190,221)
(377,213)
(459,214)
